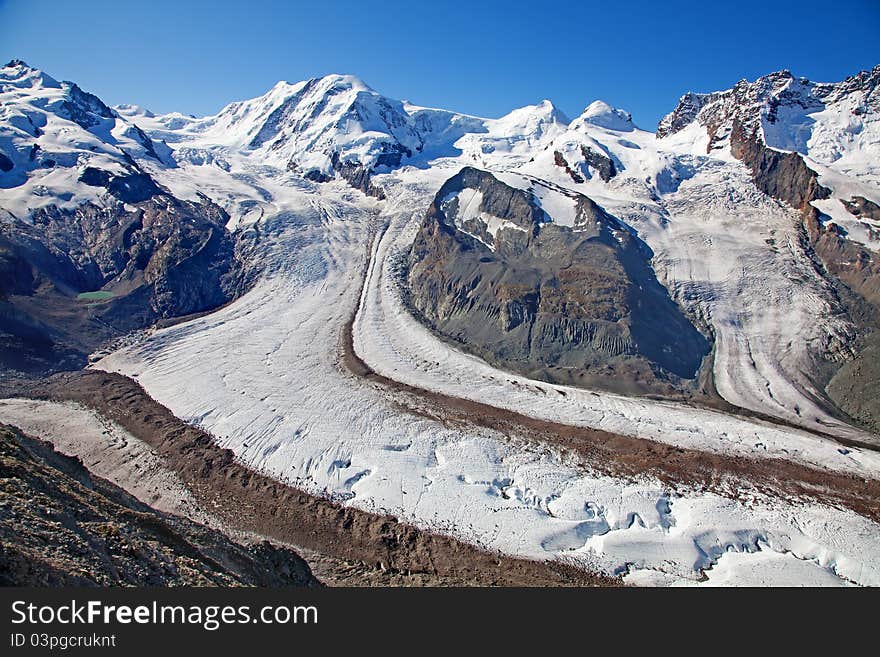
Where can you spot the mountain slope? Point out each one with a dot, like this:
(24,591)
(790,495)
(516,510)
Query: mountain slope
(548,284)
(62,526)
(91,245)
(815,146)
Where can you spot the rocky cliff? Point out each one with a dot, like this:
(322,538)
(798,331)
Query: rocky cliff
(770,125)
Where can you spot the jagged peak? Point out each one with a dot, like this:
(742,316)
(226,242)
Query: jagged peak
(782,74)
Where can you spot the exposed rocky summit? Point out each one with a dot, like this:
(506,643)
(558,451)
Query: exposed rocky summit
(492,271)
(61,526)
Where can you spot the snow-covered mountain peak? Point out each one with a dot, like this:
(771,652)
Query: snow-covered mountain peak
(530,121)
(600,113)
(309,125)
(52,133)
(18,74)
(342,82)
(22,85)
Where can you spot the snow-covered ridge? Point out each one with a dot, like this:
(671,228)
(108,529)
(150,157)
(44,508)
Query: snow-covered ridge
(603,115)
(834,126)
(303,125)
(828,122)
(50,132)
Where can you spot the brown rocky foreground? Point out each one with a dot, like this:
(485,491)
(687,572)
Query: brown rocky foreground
(61,525)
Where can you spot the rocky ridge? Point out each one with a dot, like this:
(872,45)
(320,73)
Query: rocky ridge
(61,526)
(763,123)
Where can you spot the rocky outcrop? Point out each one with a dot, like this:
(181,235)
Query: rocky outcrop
(689,107)
(592,162)
(62,526)
(600,162)
(358,176)
(560,161)
(859,206)
(780,174)
(129,188)
(575,304)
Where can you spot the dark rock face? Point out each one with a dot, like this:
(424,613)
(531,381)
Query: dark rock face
(130,188)
(314,175)
(593,161)
(859,206)
(59,525)
(782,175)
(855,387)
(848,261)
(84,108)
(150,255)
(600,162)
(5,163)
(578,306)
(560,161)
(358,176)
(685,113)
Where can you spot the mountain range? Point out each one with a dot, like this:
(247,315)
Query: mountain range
(713,284)
(115,218)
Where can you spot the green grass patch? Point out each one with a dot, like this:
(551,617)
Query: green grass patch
(97,295)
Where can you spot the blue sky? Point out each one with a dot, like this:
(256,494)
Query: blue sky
(482,58)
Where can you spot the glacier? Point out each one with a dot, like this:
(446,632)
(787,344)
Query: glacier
(266,374)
